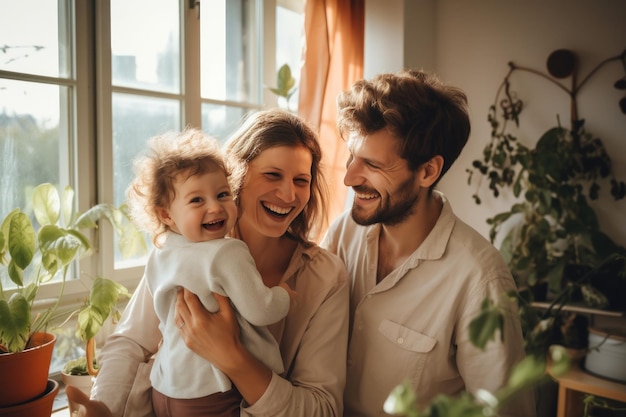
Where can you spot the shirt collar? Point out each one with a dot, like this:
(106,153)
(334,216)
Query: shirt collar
(434,246)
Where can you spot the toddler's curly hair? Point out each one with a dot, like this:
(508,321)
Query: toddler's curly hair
(190,152)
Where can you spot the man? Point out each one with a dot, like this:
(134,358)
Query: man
(419,274)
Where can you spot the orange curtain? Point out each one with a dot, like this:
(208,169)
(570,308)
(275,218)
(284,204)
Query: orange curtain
(333,61)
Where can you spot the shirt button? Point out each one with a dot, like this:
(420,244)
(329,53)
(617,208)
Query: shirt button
(400,340)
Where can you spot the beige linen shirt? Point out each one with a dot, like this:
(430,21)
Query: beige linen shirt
(312,340)
(413,325)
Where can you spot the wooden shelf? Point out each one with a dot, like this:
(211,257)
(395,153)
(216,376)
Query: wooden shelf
(577,382)
(582,309)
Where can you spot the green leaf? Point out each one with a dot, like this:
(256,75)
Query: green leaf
(103,298)
(30,292)
(21,240)
(284,82)
(77,366)
(4,232)
(526,373)
(506,247)
(549,141)
(46,204)
(68,204)
(484,327)
(554,277)
(560,363)
(89,219)
(15,273)
(401,401)
(14,322)
(517,186)
(59,246)
(593,297)
(463,405)
(131,242)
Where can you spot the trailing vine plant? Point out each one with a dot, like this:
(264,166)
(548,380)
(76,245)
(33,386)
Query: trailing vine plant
(558,235)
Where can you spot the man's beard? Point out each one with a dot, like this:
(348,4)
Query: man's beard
(389,213)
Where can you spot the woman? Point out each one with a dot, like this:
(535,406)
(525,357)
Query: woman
(280,194)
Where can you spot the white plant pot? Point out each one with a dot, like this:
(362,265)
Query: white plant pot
(82,382)
(607,355)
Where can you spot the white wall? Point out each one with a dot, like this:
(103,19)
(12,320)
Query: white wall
(469,43)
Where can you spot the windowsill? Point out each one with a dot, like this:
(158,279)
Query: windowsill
(64,412)
(59,407)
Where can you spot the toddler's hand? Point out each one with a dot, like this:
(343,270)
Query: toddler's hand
(292,294)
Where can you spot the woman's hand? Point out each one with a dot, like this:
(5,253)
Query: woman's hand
(213,336)
(88,408)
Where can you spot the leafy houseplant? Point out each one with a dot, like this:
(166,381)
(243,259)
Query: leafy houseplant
(29,258)
(285,84)
(551,238)
(101,304)
(557,239)
(97,308)
(78,367)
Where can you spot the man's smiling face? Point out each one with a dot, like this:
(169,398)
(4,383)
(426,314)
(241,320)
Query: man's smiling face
(385,188)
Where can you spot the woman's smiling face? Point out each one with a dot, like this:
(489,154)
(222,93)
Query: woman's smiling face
(276,188)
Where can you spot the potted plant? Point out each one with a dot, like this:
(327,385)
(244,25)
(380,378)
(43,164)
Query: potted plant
(98,307)
(285,85)
(75,373)
(555,242)
(551,237)
(30,258)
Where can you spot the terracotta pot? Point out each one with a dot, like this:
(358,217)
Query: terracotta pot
(24,375)
(39,407)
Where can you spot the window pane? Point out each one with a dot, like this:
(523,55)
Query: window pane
(230,50)
(135,120)
(220,120)
(32,140)
(145,44)
(30,31)
(289,43)
(67,346)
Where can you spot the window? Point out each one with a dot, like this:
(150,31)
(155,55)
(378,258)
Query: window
(289,41)
(41,110)
(80,95)
(36,90)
